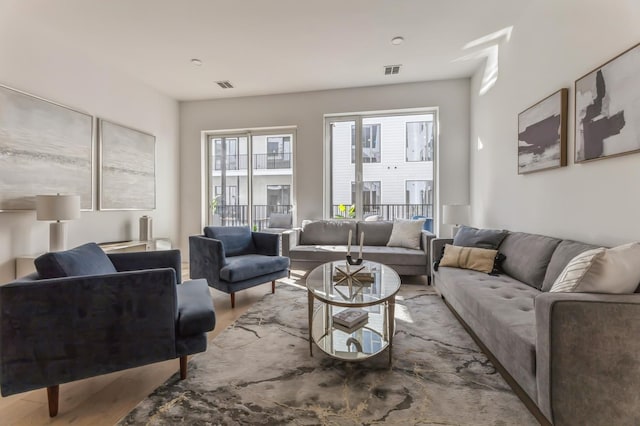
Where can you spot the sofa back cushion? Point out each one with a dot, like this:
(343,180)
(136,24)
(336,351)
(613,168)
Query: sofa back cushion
(87,259)
(375,233)
(561,257)
(280,220)
(328,232)
(236,240)
(527,256)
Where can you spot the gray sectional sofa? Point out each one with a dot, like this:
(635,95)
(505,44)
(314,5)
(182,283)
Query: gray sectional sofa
(576,356)
(322,241)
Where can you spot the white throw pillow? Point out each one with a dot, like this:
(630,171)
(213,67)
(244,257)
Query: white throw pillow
(406,233)
(614,271)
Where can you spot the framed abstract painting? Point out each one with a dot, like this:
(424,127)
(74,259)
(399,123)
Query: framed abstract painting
(607,122)
(542,134)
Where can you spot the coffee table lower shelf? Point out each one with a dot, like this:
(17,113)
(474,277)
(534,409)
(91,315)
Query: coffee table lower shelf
(358,345)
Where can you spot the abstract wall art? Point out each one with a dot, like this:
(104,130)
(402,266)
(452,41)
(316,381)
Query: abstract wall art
(542,134)
(127,168)
(607,121)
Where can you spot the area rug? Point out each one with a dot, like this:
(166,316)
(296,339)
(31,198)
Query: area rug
(259,372)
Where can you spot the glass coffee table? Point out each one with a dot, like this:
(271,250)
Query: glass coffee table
(377,298)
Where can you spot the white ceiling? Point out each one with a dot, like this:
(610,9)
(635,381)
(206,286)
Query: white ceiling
(269,46)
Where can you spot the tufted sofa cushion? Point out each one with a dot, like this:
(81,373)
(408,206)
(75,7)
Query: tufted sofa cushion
(324,232)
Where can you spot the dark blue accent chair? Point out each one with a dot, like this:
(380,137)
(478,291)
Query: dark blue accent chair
(86,313)
(233,258)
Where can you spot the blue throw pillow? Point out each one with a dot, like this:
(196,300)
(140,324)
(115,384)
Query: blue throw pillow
(87,259)
(237,240)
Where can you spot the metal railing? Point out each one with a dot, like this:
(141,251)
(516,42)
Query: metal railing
(280,160)
(237,215)
(388,211)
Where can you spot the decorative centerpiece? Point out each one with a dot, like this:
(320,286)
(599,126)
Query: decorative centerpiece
(350,260)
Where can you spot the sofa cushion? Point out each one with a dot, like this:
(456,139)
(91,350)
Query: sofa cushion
(406,233)
(468,236)
(87,259)
(499,309)
(562,255)
(475,258)
(600,270)
(240,268)
(527,256)
(280,220)
(236,240)
(380,254)
(328,232)
(195,308)
(375,233)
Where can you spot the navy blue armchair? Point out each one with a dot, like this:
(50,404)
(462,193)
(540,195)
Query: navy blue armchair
(233,258)
(85,313)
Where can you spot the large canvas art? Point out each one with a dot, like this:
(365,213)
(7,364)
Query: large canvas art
(542,134)
(45,148)
(608,109)
(127,168)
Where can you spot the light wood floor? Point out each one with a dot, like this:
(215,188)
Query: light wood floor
(104,400)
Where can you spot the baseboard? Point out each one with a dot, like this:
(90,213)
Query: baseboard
(524,397)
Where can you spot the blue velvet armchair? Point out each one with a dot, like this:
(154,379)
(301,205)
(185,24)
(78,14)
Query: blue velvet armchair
(85,313)
(233,258)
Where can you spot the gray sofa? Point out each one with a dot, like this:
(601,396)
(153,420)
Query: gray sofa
(322,241)
(576,356)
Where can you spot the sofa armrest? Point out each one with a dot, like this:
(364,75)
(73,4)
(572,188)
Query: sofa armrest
(587,361)
(266,243)
(290,239)
(137,261)
(425,244)
(58,330)
(206,258)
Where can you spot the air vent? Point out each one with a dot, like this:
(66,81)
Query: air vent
(224,84)
(391,69)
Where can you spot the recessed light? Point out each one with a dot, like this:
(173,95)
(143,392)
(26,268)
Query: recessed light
(196,61)
(397,40)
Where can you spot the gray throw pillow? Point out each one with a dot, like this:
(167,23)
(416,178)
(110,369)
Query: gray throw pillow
(468,236)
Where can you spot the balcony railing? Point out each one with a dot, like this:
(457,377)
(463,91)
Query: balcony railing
(389,211)
(237,215)
(260,161)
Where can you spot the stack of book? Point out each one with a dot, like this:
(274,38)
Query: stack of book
(350,319)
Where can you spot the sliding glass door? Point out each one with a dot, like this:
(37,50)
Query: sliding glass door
(381,165)
(250,177)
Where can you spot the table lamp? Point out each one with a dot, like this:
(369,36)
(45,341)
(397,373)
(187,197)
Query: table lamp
(57,208)
(455,214)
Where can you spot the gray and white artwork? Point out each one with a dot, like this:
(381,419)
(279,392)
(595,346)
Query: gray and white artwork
(45,149)
(542,134)
(127,174)
(608,109)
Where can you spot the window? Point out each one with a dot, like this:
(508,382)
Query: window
(370,143)
(419,192)
(278,196)
(370,193)
(419,141)
(232,158)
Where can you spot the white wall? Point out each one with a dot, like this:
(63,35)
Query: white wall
(38,63)
(306,110)
(553,44)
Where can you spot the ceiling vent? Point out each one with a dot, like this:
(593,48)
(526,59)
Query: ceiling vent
(391,69)
(224,84)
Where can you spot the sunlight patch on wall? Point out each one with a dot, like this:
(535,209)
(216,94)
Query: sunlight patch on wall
(480,144)
(490,52)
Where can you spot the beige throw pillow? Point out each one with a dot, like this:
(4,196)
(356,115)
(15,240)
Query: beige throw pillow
(405,233)
(614,271)
(478,259)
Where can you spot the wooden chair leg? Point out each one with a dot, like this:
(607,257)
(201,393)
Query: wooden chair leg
(233,300)
(183,367)
(273,286)
(53,393)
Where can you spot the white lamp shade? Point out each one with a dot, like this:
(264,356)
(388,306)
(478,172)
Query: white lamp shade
(455,214)
(57,207)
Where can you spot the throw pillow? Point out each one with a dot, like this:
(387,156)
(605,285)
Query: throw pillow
(478,259)
(600,270)
(468,236)
(406,233)
(87,259)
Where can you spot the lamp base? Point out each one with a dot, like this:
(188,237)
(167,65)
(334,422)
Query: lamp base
(57,236)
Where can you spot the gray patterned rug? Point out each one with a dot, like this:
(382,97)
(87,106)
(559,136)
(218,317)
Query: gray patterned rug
(259,371)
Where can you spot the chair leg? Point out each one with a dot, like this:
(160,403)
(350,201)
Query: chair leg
(53,393)
(273,286)
(183,367)
(233,300)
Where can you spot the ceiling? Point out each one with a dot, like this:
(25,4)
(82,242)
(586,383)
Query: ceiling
(269,46)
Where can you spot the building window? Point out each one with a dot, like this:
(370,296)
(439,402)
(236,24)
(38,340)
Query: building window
(278,196)
(370,193)
(419,192)
(419,141)
(371,152)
